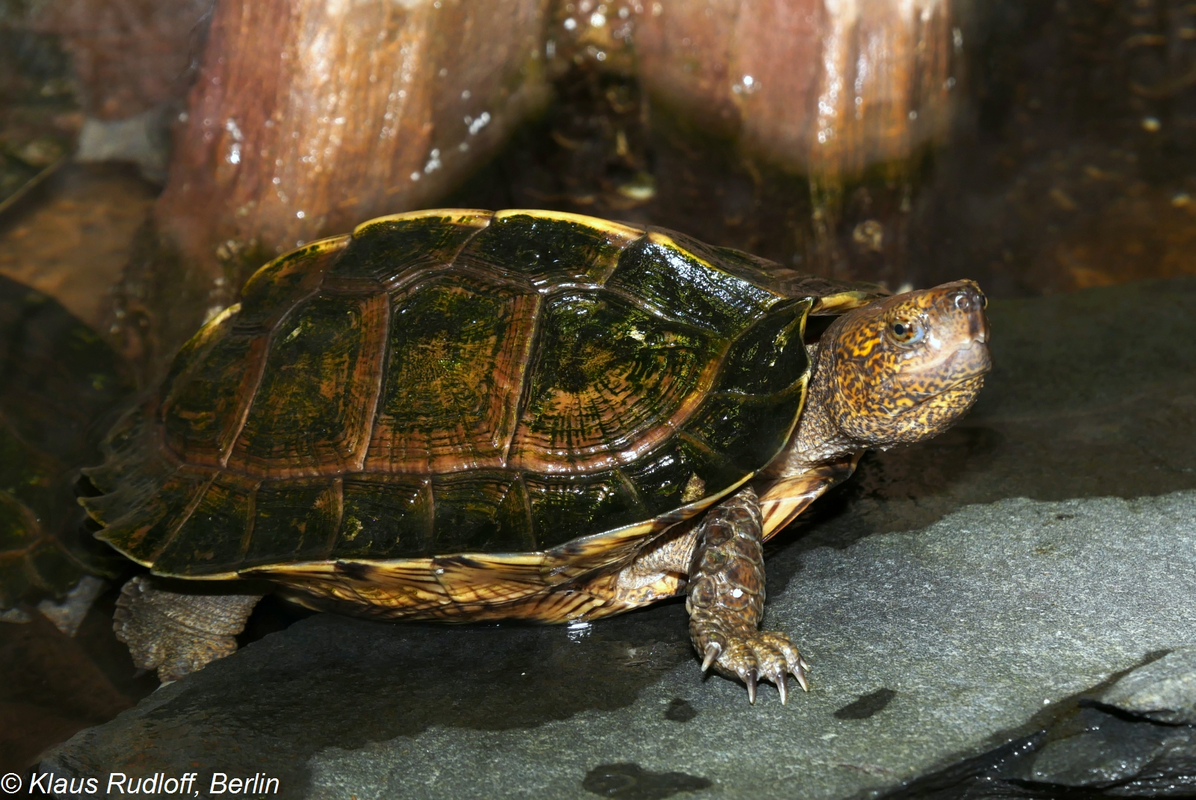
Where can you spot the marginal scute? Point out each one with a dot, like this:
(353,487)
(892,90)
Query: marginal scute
(209,540)
(568,506)
(300,517)
(147,529)
(660,477)
(741,428)
(385,516)
(483,511)
(135,469)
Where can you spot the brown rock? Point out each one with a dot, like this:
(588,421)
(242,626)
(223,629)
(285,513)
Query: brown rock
(309,118)
(827,87)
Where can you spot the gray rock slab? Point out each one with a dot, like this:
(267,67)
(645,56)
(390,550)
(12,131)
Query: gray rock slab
(927,647)
(955,599)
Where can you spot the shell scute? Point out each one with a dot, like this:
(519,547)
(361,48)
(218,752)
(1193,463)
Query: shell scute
(740,428)
(549,249)
(296,516)
(660,477)
(146,530)
(210,538)
(386,251)
(680,285)
(607,382)
(202,413)
(313,406)
(566,507)
(484,512)
(276,287)
(768,357)
(385,516)
(135,468)
(456,359)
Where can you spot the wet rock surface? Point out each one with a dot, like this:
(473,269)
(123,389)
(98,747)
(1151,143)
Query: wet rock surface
(1003,611)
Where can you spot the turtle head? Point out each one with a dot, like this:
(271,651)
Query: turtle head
(905,368)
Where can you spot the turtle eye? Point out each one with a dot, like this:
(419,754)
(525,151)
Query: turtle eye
(905,332)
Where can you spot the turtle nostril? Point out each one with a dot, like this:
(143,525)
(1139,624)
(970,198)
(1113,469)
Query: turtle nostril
(969,300)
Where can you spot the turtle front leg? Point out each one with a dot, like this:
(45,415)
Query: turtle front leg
(177,632)
(726,600)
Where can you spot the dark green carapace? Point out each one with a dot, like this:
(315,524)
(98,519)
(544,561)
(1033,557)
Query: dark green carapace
(462,385)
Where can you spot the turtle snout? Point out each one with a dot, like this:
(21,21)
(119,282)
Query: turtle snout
(969,300)
(978,328)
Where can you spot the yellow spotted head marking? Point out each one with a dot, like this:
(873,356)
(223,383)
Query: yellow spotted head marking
(905,368)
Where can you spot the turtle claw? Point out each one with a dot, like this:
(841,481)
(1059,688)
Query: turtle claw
(758,656)
(712,651)
(800,674)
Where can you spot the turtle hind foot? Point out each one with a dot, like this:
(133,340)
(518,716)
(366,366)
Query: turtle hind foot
(753,656)
(178,633)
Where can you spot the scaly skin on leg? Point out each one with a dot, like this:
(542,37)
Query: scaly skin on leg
(726,600)
(178,633)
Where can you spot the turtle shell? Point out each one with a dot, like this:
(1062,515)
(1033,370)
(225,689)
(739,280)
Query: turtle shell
(520,388)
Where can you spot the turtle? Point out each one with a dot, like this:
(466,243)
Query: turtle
(467,415)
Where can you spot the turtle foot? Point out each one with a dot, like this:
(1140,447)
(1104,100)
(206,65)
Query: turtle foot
(178,633)
(726,601)
(754,656)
